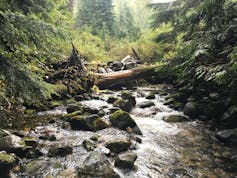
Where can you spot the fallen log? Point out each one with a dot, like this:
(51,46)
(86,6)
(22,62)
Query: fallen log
(109,80)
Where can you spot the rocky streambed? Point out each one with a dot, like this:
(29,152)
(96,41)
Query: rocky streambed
(129,133)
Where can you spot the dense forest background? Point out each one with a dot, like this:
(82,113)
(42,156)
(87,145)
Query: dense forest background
(194,40)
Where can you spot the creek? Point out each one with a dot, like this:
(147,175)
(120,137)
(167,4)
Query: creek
(168,149)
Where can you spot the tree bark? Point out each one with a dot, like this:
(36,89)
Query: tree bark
(110,80)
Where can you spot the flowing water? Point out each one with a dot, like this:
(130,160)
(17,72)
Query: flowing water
(184,149)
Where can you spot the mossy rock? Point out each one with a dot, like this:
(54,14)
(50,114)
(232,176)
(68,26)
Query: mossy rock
(33,166)
(73,107)
(125,160)
(88,123)
(230,117)
(88,145)
(59,150)
(151,95)
(175,118)
(124,105)
(118,145)
(81,123)
(67,117)
(7,162)
(96,165)
(146,104)
(30,141)
(122,120)
(112,99)
(2,133)
(54,104)
(129,97)
(99,124)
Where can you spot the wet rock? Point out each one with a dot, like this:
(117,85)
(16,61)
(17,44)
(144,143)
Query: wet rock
(124,105)
(228,136)
(90,110)
(35,166)
(190,109)
(102,113)
(99,124)
(191,99)
(112,99)
(128,96)
(123,120)
(214,96)
(230,117)
(95,138)
(169,102)
(44,137)
(10,142)
(31,153)
(88,145)
(68,173)
(211,109)
(175,118)
(86,96)
(118,145)
(125,160)
(79,97)
(72,108)
(52,138)
(96,165)
(7,162)
(21,133)
(88,123)
(59,150)
(113,109)
(30,141)
(137,139)
(67,117)
(151,95)
(146,104)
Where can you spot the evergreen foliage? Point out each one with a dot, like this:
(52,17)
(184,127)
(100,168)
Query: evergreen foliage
(208,40)
(96,14)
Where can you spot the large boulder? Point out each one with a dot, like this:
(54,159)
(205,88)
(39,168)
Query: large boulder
(146,104)
(7,162)
(123,120)
(118,145)
(125,160)
(190,109)
(88,123)
(96,165)
(228,136)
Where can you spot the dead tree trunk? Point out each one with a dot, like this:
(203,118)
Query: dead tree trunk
(122,77)
(76,60)
(136,55)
